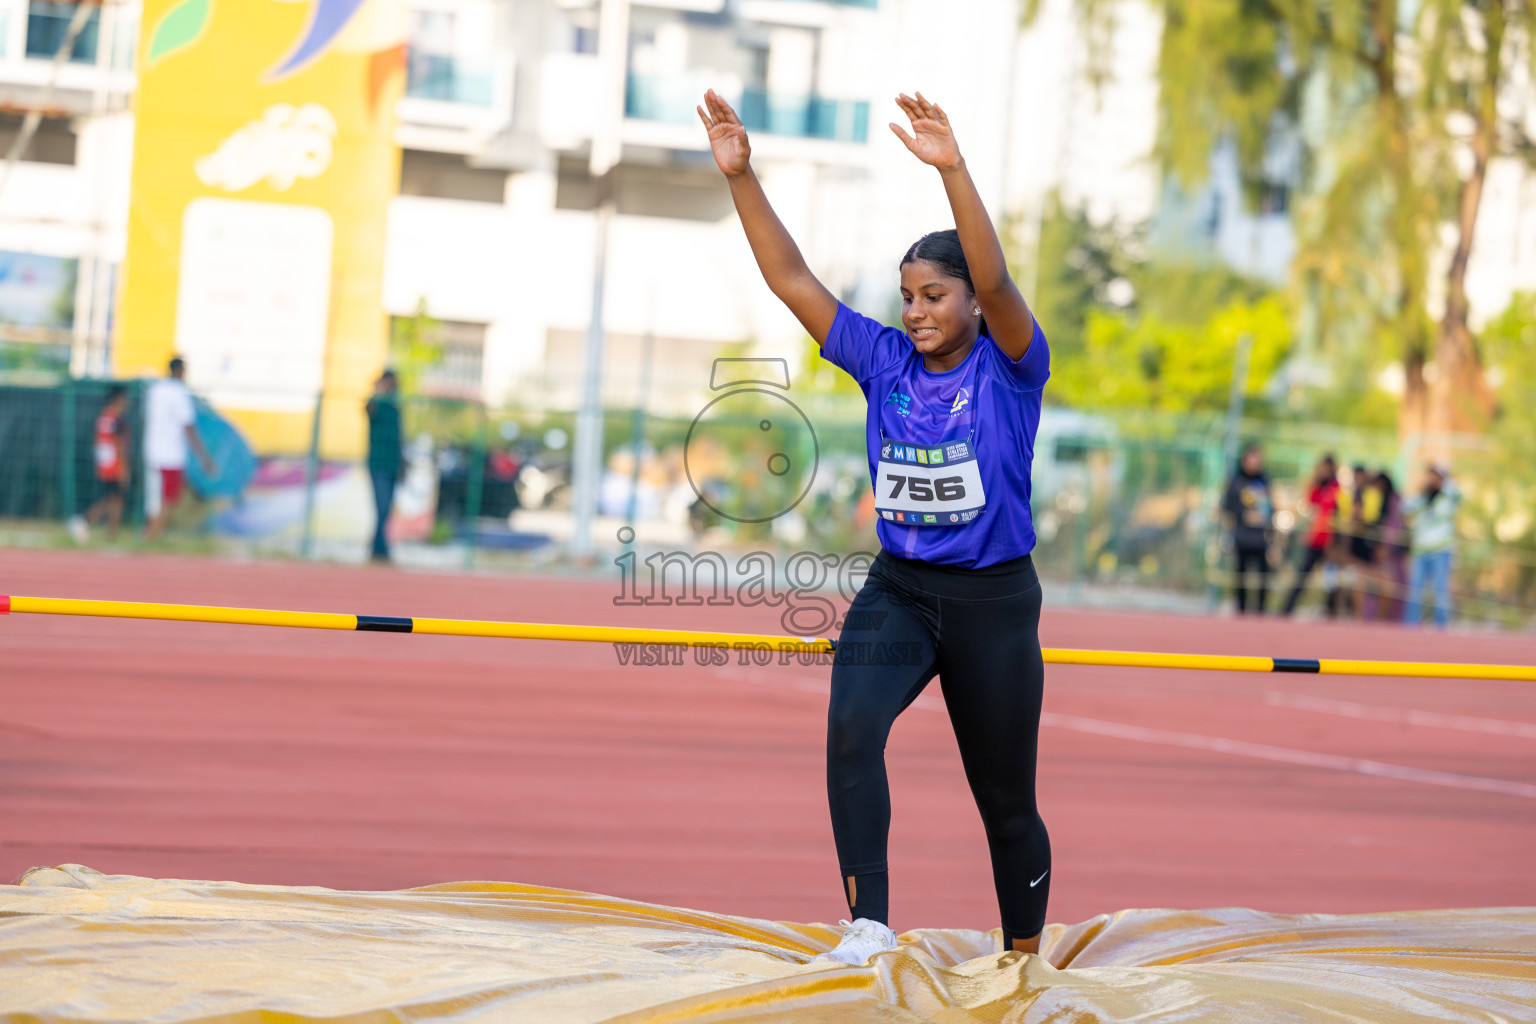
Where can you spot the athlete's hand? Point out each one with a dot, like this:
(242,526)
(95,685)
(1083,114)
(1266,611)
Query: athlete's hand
(727,136)
(932,141)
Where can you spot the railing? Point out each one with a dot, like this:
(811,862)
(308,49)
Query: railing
(671,99)
(1121,505)
(450,80)
(47,24)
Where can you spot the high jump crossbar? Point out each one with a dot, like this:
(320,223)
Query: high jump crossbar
(731,641)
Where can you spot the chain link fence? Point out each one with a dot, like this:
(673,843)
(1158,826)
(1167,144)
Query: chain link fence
(1124,503)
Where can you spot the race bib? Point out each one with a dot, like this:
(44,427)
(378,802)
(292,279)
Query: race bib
(928,486)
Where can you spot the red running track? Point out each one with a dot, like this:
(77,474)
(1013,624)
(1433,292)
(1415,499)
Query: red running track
(379,761)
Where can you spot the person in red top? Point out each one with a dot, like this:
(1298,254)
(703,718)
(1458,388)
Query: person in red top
(1323,502)
(111,453)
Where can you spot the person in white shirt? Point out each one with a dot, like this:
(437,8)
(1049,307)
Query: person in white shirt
(1431,518)
(168,434)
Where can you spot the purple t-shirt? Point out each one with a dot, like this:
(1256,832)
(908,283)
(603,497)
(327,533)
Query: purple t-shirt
(989,398)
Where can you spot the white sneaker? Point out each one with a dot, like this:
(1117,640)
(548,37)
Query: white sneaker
(863,939)
(78,530)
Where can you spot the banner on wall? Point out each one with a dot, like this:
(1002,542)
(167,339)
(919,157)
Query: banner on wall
(263,166)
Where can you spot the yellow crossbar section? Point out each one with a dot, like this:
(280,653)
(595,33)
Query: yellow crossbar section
(681,637)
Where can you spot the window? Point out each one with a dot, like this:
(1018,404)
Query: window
(677,192)
(440,66)
(48,23)
(458,374)
(52,143)
(449,176)
(460,347)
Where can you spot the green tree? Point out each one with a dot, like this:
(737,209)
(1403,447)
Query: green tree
(415,346)
(1135,328)
(1149,362)
(1075,266)
(1384,97)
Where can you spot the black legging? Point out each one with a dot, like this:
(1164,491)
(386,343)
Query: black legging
(978,629)
(1256,559)
(1310,559)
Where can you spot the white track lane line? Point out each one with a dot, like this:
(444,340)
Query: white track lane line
(1237,748)
(1405,716)
(1287,755)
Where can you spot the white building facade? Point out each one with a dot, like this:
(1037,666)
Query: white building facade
(495,224)
(64,200)
(494,228)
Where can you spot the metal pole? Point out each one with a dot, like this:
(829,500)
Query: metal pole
(587,454)
(311,478)
(1235,403)
(637,428)
(473,488)
(1229,445)
(67,496)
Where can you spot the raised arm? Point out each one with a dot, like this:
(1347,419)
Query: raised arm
(1008,317)
(777,255)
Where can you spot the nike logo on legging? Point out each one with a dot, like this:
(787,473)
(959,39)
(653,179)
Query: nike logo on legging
(1040,879)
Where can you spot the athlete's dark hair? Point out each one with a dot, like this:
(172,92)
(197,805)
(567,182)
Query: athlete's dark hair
(115,392)
(943,250)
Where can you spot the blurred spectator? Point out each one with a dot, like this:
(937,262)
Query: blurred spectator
(1250,515)
(1431,516)
(168,434)
(1385,574)
(385,458)
(1322,506)
(1361,514)
(110,453)
(1393,555)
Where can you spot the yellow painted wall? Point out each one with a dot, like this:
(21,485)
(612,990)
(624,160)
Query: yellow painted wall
(228,95)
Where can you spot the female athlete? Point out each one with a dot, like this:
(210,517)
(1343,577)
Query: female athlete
(954,403)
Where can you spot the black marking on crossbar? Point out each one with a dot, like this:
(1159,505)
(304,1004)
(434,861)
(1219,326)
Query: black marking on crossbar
(1297,665)
(382,624)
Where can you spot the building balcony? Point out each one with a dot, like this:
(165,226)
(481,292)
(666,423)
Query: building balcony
(671,100)
(453,103)
(659,114)
(430,76)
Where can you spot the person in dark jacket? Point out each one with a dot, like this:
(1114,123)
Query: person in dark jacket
(384,456)
(1250,514)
